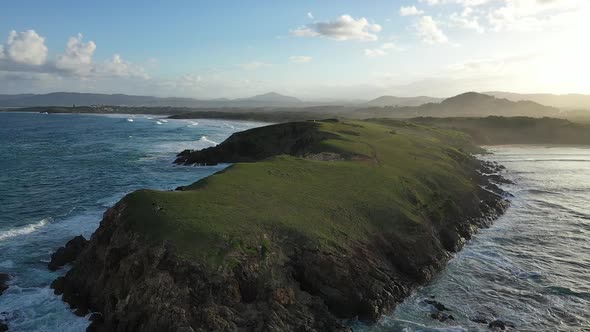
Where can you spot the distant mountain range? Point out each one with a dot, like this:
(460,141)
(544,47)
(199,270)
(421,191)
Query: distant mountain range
(271,99)
(64,99)
(470,104)
(402,101)
(564,102)
(276,100)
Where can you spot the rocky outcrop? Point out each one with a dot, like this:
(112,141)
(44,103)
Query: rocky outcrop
(136,284)
(141,287)
(68,253)
(4,278)
(293,138)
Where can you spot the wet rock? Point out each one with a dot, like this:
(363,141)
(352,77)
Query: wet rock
(497,178)
(499,325)
(437,305)
(96,320)
(441,316)
(3,327)
(67,254)
(4,278)
(58,285)
(480,320)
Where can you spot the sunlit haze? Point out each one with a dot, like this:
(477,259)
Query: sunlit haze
(309,49)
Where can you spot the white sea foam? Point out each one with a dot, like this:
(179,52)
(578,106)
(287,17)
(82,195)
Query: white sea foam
(204,139)
(130,120)
(19,308)
(109,201)
(158,122)
(24,230)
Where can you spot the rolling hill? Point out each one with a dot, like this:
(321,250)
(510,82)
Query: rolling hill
(271,99)
(470,104)
(402,101)
(565,101)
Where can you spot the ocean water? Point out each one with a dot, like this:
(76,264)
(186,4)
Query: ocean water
(59,173)
(532,267)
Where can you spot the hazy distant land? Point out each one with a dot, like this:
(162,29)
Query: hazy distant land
(275,108)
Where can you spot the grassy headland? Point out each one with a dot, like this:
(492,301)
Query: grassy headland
(315,222)
(495,130)
(380,178)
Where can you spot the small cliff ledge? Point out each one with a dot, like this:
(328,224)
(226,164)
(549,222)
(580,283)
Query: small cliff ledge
(317,222)
(293,138)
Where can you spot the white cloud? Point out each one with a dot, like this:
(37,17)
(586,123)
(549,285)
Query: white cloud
(25,52)
(375,52)
(26,47)
(466,3)
(530,15)
(343,28)
(431,2)
(310,15)
(388,46)
(300,59)
(464,21)
(253,65)
(496,65)
(118,67)
(429,31)
(410,11)
(380,51)
(77,56)
(304,32)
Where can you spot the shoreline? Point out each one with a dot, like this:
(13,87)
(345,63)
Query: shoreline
(303,258)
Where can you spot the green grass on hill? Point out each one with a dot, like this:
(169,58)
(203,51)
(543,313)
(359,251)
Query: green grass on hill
(515,130)
(403,174)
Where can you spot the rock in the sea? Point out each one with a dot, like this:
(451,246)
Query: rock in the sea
(499,325)
(441,316)
(480,320)
(3,282)
(437,305)
(67,254)
(97,319)
(3,327)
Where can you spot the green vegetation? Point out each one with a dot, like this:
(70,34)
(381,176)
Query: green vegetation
(515,130)
(396,175)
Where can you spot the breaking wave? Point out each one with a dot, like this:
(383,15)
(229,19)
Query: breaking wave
(24,230)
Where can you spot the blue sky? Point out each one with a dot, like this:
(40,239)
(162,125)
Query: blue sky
(311,49)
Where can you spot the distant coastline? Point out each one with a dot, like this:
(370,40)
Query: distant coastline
(484,129)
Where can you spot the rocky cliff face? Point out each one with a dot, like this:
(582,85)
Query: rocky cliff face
(293,138)
(134,284)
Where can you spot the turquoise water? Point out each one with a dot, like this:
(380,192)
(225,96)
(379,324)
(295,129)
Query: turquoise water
(532,267)
(59,173)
